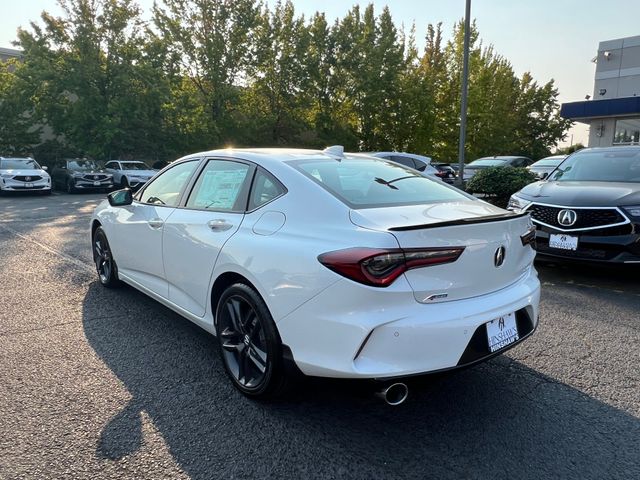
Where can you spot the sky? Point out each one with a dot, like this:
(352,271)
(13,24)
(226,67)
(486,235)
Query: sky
(549,38)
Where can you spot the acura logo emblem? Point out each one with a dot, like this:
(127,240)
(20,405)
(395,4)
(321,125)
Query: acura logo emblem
(498,257)
(27,179)
(567,218)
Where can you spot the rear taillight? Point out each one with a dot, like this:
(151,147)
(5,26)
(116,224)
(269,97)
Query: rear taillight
(380,267)
(441,174)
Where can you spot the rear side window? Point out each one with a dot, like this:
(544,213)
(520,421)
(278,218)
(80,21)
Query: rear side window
(265,188)
(371,183)
(221,186)
(406,161)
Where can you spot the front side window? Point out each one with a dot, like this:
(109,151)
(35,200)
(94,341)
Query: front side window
(627,132)
(600,166)
(371,183)
(221,186)
(18,164)
(166,188)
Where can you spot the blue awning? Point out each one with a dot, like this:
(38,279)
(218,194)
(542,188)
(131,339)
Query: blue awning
(585,110)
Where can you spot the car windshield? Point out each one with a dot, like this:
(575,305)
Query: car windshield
(18,164)
(488,162)
(82,165)
(550,162)
(135,166)
(371,183)
(600,166)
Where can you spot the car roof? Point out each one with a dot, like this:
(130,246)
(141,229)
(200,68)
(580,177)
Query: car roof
(633,148)
(501,157)
(405,154)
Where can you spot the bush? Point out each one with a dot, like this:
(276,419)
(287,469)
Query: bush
(499,183)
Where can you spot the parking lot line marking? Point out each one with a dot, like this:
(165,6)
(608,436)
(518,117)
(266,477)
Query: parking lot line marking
(68,258)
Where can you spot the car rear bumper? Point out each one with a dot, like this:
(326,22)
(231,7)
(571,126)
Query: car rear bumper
(353,331)
(595,246)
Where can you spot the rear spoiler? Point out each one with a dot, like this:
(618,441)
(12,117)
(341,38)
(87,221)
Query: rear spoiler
(462,221)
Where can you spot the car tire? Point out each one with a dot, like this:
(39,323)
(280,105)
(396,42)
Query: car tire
(103,258)
(70,186)
(250,346)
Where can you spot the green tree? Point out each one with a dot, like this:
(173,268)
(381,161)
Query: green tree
(212,43)
(90,81)
(18,134)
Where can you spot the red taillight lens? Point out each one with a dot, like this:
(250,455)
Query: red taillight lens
(380,267)
(441,173)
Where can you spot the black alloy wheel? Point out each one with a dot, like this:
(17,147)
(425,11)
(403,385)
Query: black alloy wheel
(105,265)
(249,343)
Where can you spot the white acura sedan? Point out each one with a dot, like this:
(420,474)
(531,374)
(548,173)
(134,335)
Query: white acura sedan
(332,264)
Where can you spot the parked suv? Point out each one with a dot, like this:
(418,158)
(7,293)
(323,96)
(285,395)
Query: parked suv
(588,208)
(129,173)
(22,175)
(81,174)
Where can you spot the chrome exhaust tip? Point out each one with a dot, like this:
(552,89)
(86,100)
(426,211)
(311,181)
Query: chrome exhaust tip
(394,394)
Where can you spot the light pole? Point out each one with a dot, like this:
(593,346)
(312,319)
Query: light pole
(463,101)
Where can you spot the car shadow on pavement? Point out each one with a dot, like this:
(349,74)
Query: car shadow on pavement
(500,419)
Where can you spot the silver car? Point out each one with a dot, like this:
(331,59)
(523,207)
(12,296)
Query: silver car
(130,173)
(411,160)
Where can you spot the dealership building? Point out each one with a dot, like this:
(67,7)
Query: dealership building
(613,112)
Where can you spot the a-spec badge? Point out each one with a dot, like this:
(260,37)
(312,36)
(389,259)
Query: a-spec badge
(436,296)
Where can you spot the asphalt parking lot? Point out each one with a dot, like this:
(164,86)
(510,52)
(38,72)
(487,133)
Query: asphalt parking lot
(110,384)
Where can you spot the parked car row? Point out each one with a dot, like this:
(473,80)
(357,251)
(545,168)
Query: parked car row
(72,175)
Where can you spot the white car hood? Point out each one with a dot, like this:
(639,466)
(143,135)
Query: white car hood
(32,172)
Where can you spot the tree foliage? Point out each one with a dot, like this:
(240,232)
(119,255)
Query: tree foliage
(499,183)
(208,73)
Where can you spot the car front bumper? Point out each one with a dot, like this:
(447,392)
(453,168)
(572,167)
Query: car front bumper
(609,245)
(353,331)
(81,184)
(10,185)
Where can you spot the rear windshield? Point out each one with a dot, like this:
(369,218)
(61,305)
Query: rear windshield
(135,166)
(371,182)
(601,166)
(551,162)
(488,162)
(18,163)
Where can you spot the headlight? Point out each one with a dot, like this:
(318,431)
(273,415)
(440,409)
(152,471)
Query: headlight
(633,210)
(77,175)
(517,204)
(6,175)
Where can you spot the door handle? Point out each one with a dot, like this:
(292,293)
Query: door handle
(156,223)
(219,225)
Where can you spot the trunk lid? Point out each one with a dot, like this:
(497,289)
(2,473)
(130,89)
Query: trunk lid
(480,228)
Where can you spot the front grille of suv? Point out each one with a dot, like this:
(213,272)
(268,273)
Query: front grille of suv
(27,178)
(93,178)
(586,217)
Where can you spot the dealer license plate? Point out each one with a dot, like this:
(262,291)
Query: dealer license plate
(563,242)
(29,185)
(97,184)
(502,331)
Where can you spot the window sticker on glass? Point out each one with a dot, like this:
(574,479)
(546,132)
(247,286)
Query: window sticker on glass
(219,186)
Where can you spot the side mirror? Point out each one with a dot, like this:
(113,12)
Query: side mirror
(45,168)
(544,175)
(120,198)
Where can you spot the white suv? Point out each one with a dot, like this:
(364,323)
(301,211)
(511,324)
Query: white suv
(23,175)
(129,173)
